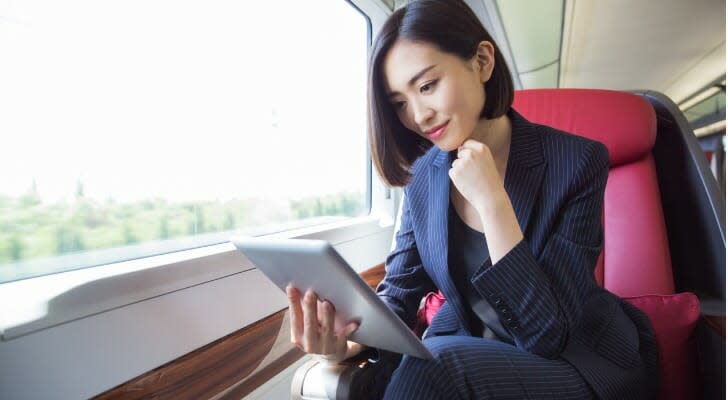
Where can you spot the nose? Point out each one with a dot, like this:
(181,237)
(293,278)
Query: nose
(422,113)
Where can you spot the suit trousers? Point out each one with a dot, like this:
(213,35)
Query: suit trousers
(467,367)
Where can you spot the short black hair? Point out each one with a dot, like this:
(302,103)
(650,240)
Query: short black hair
(452,27)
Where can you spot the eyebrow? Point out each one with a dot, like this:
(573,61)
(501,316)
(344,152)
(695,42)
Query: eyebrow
(413,80)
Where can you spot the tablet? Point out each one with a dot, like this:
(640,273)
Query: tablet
(314,264)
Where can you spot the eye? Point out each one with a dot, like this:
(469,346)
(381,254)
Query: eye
(427,87)
(398,105)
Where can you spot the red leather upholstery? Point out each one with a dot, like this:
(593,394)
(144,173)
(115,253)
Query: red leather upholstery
(636,258)
(674,319)
(636,251)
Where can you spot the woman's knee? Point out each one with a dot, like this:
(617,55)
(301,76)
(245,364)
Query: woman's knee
(417,378)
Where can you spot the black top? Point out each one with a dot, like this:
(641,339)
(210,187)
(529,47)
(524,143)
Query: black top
(468,252)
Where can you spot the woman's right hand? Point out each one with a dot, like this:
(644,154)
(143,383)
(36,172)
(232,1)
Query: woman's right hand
(312,327)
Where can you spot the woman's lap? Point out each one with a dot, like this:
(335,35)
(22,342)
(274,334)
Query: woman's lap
(473,368)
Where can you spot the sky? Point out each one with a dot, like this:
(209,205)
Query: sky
(185,100)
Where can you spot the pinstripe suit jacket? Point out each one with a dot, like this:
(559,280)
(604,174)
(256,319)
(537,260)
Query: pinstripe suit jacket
(544,289)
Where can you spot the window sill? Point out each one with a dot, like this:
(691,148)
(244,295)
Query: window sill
(34,304)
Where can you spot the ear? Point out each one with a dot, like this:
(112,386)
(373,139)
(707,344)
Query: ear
(484,60)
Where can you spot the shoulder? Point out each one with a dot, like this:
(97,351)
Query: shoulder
(560,147)
(564,152)
(572,164)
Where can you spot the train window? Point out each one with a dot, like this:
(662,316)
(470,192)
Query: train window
(138,128)
(712,106)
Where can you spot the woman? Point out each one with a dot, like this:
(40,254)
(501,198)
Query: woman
(501,215)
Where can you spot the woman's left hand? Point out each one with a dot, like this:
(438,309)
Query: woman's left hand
(476,177)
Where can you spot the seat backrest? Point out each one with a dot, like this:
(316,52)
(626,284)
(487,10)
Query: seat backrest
(636,257)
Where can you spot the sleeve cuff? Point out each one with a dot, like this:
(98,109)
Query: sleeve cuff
(514,285)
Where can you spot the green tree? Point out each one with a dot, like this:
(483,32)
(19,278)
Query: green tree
(199,220)
(88,214)
(164,227)
(78,242)
(29,200)
(229,220)
(148,205)
(61,239)
(16,248)
(129,236)
(68,240)
(31,197)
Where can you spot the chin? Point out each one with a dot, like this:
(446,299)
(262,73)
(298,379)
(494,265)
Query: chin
(446,147)
(448,144)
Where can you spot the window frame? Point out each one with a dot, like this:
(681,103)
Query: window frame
(101,326)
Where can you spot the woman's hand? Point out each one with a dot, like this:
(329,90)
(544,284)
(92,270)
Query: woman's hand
(476,177)
(312,327)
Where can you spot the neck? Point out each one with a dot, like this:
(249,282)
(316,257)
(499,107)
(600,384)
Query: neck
(494,133)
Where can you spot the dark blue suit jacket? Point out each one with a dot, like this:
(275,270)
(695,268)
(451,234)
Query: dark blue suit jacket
(544,289)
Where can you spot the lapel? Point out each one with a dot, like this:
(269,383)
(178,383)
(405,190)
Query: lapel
(524,173)
(525,169)
(439,201)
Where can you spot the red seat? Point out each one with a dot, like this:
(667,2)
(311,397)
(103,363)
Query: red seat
(635,261)
(636,256)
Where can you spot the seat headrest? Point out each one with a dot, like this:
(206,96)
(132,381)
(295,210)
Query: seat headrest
(623,121)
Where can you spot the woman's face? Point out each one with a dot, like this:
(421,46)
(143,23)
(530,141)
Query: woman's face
(435,94)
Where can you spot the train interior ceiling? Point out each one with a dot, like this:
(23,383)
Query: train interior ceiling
(192,318)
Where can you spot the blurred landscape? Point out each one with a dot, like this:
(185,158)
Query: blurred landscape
(31,229)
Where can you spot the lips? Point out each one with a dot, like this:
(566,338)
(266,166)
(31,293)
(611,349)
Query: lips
(437,131)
